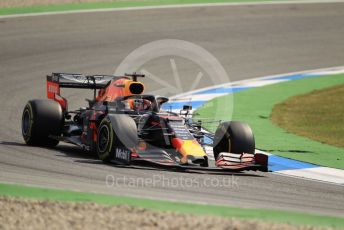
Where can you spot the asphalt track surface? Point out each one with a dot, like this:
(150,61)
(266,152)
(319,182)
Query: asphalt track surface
(249,41)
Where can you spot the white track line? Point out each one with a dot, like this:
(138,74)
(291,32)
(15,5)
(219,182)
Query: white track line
(253,81)
(174,7)
(321,174)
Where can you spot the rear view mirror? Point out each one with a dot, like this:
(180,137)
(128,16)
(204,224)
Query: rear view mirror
(187,107)
(161,100)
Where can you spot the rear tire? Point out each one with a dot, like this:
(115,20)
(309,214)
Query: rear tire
(234,137)
(40,119)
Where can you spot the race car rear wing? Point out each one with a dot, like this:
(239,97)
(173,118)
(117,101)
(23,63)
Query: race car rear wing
(72,80)
(56,81)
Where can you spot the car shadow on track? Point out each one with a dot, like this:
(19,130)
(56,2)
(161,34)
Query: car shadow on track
(76,152)
(12,143)
(90,158)
(78,155)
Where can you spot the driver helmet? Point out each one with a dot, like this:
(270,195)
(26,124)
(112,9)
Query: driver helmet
(141,104)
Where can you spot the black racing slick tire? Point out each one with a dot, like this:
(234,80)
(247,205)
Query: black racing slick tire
(234,137)
(40,120)
(115,131)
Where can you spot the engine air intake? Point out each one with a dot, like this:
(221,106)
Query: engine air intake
(136,88)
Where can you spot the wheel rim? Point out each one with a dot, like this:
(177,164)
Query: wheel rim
(26,122)
(103,138)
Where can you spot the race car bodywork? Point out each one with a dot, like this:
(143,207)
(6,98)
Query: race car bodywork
(113,127)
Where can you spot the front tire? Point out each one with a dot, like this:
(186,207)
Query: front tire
(41,119)
(234,137)
(115,131)
(105,140)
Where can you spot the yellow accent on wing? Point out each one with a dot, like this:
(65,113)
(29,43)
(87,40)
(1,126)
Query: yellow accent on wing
(191,148)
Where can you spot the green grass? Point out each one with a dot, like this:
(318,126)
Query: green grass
(318,115)
(107,5)
(254,106)
(196,209)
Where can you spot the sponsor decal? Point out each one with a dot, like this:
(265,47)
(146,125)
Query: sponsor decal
(180,130)
(122,154)
(53,89)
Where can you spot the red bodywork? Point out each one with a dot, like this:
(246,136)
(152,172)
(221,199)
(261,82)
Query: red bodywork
(53,92)
(117,87)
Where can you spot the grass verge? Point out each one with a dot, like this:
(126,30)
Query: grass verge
(108,5)
(196,209)
(254,106)
(318,115)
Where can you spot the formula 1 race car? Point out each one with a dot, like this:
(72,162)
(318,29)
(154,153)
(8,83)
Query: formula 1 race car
(124,126)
